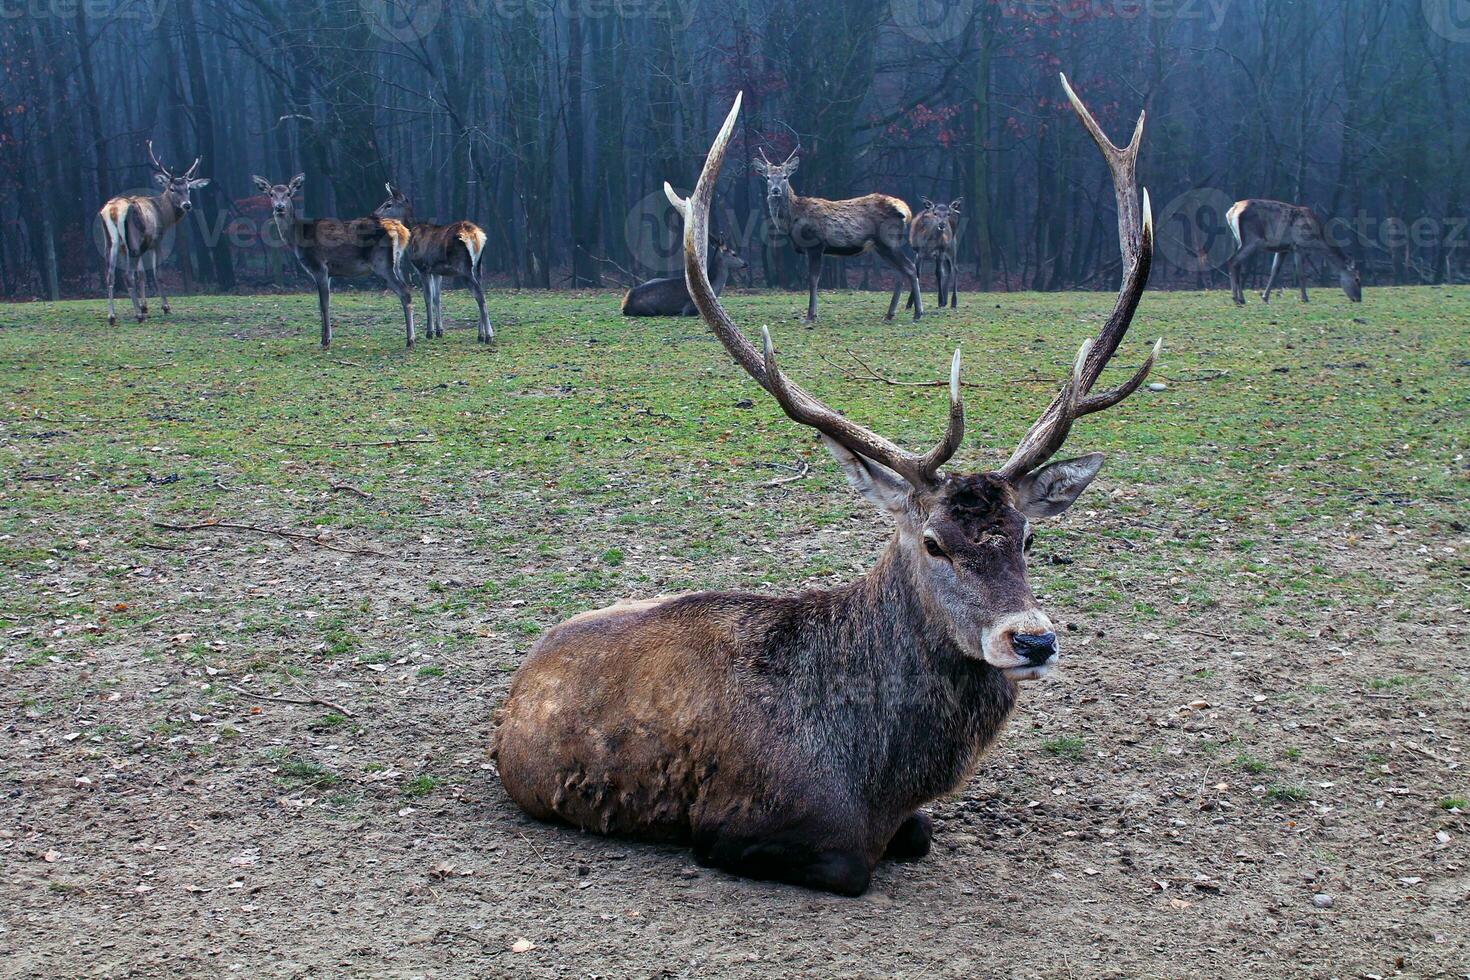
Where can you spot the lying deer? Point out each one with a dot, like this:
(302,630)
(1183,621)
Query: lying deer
(670,297)
(1281,228)
(136,226)
(437,251)
(796,737)
(818,227)
(932,236)
(328,247)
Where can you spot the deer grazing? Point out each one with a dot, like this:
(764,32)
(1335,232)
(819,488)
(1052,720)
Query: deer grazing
(436,251)
(795,738)
(670,297)
(1280,228)
(328,247)
(136,225)
(932,236)
(818,227)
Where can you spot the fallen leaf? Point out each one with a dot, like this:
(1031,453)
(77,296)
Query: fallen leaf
(522,946)
(51,857)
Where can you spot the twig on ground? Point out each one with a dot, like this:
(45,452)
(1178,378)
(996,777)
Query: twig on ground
(349,488)
(533,847)
(346,363)
(1211,375)
(801,474)
(316,701)
(1213,636)
(315,539)
(353,445)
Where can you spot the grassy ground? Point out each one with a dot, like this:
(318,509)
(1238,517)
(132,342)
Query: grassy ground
(1264,696)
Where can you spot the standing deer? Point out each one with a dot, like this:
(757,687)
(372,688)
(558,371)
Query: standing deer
(932,235)
(795,738)
(328,247)
(1280,228)
(670,297)
(437,251)
(817,227)
(136,225)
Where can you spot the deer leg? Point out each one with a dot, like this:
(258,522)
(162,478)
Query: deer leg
(142,278)
(912,839)
(954,284)
(1271,280)
(799,856)
(1301,281)
(324,302)
(939,278)
(438,306)
(1236,263)
(485,334)
(111,283)
(906,271)
(157,282)
(813,274)
(427,282)
(134,272)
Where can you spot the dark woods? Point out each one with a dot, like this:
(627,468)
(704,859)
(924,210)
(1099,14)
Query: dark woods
(552,124)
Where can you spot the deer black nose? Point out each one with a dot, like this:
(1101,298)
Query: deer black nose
(187,206)
(1037,648)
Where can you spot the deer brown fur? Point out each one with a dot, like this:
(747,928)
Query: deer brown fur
(328,247)
(1281,228)
(796,737)
(670,296)
(820,227)
(436,251)
(932,236)
(136,227)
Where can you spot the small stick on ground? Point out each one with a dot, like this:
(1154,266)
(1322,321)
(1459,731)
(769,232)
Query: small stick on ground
(316,701)
(1212,375)
(801,474)
(533,847)
(315,539)
(349,488)
(352,445)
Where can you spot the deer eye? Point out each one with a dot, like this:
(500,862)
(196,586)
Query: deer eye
(933,547)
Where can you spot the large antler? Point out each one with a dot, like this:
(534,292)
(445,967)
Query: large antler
(156,164)
(1136,239)
(920,471)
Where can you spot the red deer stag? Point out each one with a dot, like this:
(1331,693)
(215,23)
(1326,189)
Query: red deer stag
(1279,228)
(136,225)
(328,247)
(670,297)
(817,227)
(795,738)
(932,236)
(437,251)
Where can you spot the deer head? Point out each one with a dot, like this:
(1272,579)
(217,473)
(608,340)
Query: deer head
(778,176)
(962,536)
(282,196)
(176,187)
(397,206)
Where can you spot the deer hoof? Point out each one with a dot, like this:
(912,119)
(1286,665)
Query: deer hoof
(111,320)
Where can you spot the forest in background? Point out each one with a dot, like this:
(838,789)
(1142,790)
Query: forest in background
(553,123)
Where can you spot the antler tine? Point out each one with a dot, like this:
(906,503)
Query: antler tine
(1136,242)
(761,365)
(156,164)
(193,167)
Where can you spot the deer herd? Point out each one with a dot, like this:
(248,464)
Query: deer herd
(793,738)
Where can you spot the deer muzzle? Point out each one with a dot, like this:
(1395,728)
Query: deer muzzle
(1022,645)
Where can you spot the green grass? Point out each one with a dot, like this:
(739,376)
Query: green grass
(1287,794)
(1066,746)
(1454,803)
(421,785)
(584,457)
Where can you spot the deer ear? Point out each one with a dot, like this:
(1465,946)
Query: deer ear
(199,182)
(789,167)
(1050,490)
(162,179)
(261,182)
(928,204)
(296,183)
(955,204)
(884,488)
(761,167)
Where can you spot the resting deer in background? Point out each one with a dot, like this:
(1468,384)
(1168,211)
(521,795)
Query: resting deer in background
(932,236)
(818,227)
(670,297)
(437,251)
(1280,228)
(327,247)
(136,225)
(795,737)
